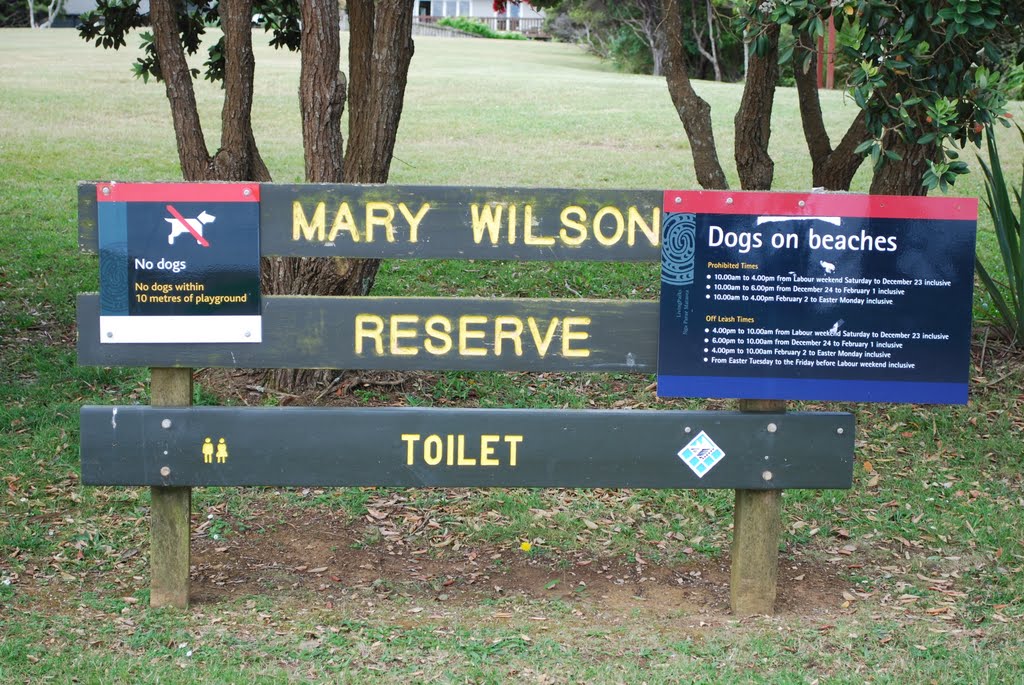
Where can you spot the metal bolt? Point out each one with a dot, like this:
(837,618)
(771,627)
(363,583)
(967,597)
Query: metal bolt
(801,203)
(110,334)
(248,334)
(165,471)
(106,190)
(678,200)
(687,429)
(772,428)
(766,457)
(767,475)
(247,192)
(166,423)
(839,430)
(728,200)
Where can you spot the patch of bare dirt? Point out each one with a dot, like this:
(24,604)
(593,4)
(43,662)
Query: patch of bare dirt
(324,555)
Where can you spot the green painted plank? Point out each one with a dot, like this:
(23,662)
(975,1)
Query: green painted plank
(404,446)
(470,334)
(437,222)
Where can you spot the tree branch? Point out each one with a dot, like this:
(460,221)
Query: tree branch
(693,111)
(188,130)
(377,85)
(753,120)
(234,160)
(321,92)
(830,169)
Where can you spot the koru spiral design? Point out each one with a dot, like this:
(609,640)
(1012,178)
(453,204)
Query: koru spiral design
(679,235)
(114,278)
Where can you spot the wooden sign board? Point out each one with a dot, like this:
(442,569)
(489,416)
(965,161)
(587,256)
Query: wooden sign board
(298,446)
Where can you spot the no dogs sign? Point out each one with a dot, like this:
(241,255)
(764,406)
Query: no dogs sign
(179,263)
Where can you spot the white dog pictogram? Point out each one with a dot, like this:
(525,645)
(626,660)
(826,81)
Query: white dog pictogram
(177,228)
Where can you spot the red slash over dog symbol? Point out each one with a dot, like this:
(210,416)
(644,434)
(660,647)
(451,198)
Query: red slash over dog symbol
(188,225)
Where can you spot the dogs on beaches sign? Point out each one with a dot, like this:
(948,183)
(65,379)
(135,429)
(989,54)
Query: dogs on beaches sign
(179,263)
(816,296)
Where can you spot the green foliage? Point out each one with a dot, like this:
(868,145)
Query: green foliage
(13,13)
(477,28)
(924,73)
(1001,200)
(112,20)
(629,53)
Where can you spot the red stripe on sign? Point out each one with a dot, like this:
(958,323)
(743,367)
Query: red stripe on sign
(177,192)
(820,204)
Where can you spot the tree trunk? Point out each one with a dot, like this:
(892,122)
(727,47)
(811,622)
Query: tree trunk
(830,169)
(753,120)
(380,50)
(904,176)
(693,111)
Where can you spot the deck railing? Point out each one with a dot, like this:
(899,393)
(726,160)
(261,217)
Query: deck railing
(517,24)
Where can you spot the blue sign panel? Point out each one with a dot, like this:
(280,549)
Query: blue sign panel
(179,262)
(816,297)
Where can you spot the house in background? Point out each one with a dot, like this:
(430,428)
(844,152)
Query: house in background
(521,17)
(73,9)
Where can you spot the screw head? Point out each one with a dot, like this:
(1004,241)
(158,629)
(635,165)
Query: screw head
(801,203)
(110,334)
(165,471)
(772,428)
(106,190)
(687,430)
(839,430)
(247,192)
(166,423)
(728,200)
(767,475)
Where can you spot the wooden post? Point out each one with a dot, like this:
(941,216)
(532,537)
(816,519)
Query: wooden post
(755,542)
(170,525)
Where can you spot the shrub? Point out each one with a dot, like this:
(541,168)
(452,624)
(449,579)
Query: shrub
(1007,210)
(478,28)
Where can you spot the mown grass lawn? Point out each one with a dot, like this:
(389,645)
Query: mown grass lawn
(914,575)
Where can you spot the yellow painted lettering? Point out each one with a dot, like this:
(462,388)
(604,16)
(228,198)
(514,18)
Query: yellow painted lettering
(344,221)
(370,326)
(513,441)
(486,450)
(651,231)
(511,224)
(438,328)
(568,335)
(620,225)
(515,336)
(398,333)
(465,335)
(486,219)
(414,220)
(451,449)
(463,459)
(528,237)
(576,225)
(385,220)
(303,228)
(410,439)
(544,342)
(432,450)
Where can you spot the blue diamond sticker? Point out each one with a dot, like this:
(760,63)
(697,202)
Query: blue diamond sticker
(701,454)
